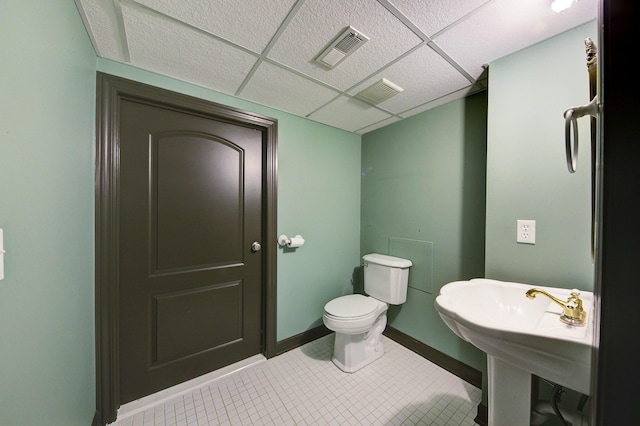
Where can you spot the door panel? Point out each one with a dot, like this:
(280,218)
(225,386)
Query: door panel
(190,289)
(182,322)
(195,168)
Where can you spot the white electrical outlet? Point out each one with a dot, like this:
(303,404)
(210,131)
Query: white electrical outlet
(526,231)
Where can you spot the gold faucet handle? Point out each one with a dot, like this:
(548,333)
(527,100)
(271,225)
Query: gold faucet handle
(574,299)
(573,313)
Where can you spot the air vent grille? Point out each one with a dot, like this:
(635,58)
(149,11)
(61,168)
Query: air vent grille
(343,45)
(380,91)
(351,42)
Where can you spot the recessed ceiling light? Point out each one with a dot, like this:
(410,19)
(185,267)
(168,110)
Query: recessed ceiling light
(560,5)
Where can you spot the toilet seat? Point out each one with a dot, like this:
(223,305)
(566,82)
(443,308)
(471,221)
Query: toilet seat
(352,306)
(352,314)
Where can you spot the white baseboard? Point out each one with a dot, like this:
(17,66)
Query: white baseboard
(142,404)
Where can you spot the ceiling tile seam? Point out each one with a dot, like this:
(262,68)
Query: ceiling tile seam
(405,20)
(285,23)
(88,28)
(335,89)
(387,65)
(339,92)
(191,27)
(361,129)
(122,31)
(392,114)
(261,58)
(378,107)
(303,75)
(378,71)
(451,62)
(249,76)
(473,92)
(148,9)
(324,105)
(283,26)
(460,20)
(413,27)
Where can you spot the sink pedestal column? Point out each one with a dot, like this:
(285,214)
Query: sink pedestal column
(509,394)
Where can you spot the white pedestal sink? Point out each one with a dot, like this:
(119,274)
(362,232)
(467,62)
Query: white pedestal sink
(521,337)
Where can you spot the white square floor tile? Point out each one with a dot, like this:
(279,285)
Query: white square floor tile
(304,387)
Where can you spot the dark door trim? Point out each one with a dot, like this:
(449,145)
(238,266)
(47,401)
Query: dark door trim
(110,91)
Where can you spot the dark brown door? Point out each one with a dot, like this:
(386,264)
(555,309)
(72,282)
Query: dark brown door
(190,291)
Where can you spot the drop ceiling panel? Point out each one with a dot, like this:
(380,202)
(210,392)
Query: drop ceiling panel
(432,16)
(445,99)
(162,45)
(411,73)
(318,22)
(378,125)
(265,51)
(472,42)
(100,18)
(284,90)
(349,114)
(248,23)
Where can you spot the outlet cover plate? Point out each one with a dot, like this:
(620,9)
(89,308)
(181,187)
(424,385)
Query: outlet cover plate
(526,231)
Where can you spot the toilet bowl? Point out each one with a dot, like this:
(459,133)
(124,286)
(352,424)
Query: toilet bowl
(359,320)
(357,340)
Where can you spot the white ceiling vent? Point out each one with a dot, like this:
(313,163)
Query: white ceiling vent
(380,91)
(344,45)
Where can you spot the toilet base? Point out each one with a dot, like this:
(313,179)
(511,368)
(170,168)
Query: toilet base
(351,352)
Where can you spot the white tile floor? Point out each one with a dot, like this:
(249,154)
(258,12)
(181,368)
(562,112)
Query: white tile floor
(303,387)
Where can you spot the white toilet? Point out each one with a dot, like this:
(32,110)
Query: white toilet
(360,320)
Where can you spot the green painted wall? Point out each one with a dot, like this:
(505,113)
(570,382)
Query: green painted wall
(47,93)
(423,180)
(47,154)
(318,198)
(527,177)
(420,180)
(423,197)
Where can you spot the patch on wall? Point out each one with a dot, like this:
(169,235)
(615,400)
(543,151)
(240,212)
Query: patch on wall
(420,253)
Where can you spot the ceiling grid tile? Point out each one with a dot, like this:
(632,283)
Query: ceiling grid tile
(265,51)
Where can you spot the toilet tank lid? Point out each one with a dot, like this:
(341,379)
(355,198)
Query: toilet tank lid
(383,259)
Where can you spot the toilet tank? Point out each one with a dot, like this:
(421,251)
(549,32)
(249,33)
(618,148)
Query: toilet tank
(386,277)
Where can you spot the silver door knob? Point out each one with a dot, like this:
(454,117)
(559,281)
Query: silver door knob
(255,246)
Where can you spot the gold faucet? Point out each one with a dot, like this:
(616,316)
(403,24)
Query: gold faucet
(572,314)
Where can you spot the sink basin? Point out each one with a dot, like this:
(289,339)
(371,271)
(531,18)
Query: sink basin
(498,318)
